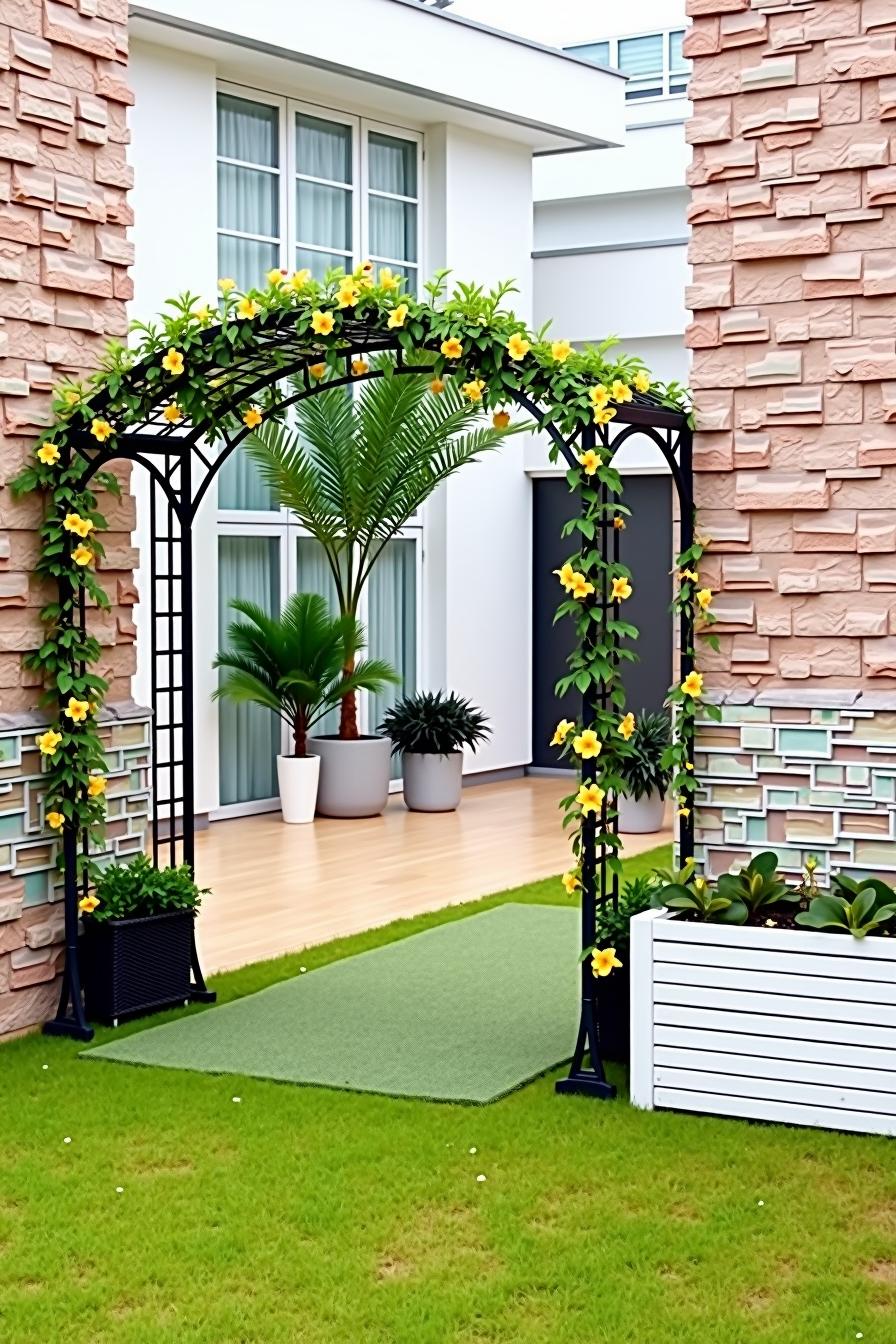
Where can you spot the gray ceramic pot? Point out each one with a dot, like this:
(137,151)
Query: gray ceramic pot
(354,776)
(641,816)
(432,783)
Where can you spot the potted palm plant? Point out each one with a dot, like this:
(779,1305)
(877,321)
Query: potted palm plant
(642,802)
(137,939)
(295,665)
(431,729)
(353,469)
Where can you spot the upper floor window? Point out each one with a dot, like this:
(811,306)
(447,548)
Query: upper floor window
(653,62)
(308,187)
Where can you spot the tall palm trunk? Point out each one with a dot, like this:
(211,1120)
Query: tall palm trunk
(348,711)
(300,735)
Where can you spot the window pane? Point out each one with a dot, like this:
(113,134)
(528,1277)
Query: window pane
(409,273)
(248,735)
(247,130)
(248,200)
(640,56)
(245,261)
(598,52)
(677,63)
(318,263)
(393,228)
(314,576)
(241,487)
(323,148)
(324,215)
(392,164)
(392,625)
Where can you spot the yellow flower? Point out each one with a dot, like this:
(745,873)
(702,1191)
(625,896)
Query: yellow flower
(388,280)
(397,316)
(348,294)
(586,744)
(690,575)
(172,413)
(252,417)
(570,883)
(619,523)
(518,347)
(49,741)
(451,348)
(96,786)
(77,710)
(437,386)
(621,590)
(82,555)
(226,285)
(366,267)
(473,390)
(626,725)
(275,277)
(299,279)
(203,314)
(247,308)
(603,414)
(604,961)
(322,323)
(693,685)
(589,798)
(173,362)
(101,429)
(360,366)
(642,381)
(317,370)
(581,587)
(562,732)
(88,904)
(689,765)
(599,395)
(73,522)
(500,419)
(56,820)
(48,453)
(684,811)
(567,576)
(561,351)
(71,397)
(590,461)
(704,598)
(620,391)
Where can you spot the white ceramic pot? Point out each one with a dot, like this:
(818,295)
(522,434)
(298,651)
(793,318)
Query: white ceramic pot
(432,783)
(354,776)
(641,816)
(298,777)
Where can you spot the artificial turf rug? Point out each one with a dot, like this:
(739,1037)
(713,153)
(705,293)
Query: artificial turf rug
(465,1011)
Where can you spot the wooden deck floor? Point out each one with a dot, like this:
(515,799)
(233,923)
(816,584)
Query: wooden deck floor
(278,888)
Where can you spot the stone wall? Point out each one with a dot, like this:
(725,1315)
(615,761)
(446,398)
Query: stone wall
(64,255)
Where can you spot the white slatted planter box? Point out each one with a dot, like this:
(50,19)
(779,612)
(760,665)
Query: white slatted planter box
(764,1024)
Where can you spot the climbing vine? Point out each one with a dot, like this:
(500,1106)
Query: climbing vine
(197,367)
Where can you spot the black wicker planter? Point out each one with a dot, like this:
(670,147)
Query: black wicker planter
(613,1015)
(133,966)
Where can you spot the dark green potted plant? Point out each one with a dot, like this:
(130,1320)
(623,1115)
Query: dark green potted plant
(431,729)
(642,803)
(614,987)
(137,939)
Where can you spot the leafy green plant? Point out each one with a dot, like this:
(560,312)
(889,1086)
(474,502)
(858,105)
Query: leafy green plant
(641,768)
(855,906)
(635,897)
(137,889)
(686,890)
(294,664)
(755,888)
(435,723)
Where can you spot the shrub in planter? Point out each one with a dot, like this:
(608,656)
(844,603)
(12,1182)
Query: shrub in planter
(138,937)
(430,729)
(645,777)
(294,665)
(613,988)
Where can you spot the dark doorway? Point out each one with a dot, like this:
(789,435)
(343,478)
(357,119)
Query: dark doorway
(646,547)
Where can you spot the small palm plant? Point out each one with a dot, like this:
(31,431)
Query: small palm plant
(294,664)
(354,469)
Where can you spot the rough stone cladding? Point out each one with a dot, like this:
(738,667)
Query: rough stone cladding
(793,214)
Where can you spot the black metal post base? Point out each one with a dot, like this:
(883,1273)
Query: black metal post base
(584,1083)
(203,995)
(199,990)
(68,1026)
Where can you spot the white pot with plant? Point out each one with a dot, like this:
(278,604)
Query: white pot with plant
(294,664)
(642,799)
(431,729)
(352,471)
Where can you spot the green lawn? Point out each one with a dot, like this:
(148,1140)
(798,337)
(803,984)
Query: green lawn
(305,1216)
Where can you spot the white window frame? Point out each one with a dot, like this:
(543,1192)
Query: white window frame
(272,100)
(666,77)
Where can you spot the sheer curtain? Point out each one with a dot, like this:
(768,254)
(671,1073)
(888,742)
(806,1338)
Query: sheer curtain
(392,625)
(323,211)
(248,190)
(392,171)
(314,576)
(248,735)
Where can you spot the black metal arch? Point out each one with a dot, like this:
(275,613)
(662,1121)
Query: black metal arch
(181,468)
